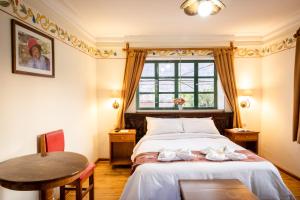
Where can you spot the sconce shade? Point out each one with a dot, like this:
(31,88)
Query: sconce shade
(115,94)
(245,92)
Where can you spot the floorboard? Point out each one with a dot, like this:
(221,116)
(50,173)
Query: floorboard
(109,182)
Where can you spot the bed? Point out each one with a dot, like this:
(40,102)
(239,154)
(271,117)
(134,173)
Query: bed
(159,180)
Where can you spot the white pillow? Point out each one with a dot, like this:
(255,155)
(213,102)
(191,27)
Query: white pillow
(157,126)
(199,125)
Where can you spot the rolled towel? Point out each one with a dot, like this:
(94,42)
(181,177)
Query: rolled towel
(236,156)
(228,149)
(167,155)
(221,154)
(216,156)
(207,150)
(185,154)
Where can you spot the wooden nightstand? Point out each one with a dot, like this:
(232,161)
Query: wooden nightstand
(247,139)
(121,145)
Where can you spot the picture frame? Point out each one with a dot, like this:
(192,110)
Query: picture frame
(32,51)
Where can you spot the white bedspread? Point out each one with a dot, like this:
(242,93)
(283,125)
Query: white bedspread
(159,181)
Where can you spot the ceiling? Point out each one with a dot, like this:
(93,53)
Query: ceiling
(103,19)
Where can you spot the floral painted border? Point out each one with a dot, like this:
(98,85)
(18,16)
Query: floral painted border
(266,50)
(256,52)
(248,52)
(18,9)
(180,53)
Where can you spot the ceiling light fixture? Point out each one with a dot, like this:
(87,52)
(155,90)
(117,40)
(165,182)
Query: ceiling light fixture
(202,7)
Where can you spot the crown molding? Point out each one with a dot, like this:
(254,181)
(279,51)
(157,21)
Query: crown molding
(65,11)
(166,41)
(283,28)
(178,41)
(37,20)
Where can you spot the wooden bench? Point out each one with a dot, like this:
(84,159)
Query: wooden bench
(218,189)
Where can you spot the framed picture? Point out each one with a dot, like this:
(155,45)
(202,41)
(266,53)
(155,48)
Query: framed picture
(32,51)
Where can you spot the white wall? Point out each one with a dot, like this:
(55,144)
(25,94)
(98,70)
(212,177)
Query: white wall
(32,105)
(248,77)
(277,111)
(109,78)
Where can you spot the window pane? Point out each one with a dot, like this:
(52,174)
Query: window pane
(149,70)
(205,84)
(166,100)
(157,84)
(189,100)
(166,69)
(206,69)
(147,100)
(186,85)
(186,69)
(205,100)
(147,85)
(167,85)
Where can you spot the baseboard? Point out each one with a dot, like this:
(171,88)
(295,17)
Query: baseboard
(102,159)
(288,173)
(283,170)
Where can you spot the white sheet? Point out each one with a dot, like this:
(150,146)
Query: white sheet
(160,180)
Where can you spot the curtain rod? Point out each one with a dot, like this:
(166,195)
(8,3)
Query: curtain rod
(178,49)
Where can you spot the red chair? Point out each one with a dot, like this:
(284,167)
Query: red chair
(54,141)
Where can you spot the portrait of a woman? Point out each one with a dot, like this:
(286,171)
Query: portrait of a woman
(37,60)
(32,51)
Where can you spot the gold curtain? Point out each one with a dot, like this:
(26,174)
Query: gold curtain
(225,68)
(133,70)
(296,119)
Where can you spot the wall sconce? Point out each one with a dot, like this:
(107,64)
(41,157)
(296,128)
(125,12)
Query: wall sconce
(115,104)
(115,94)
(245,97)
(245,102)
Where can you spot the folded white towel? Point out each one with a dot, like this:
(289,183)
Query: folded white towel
(220,154)
(216,156)
(166,155)
(207,150)
(185,154)
(223,153)
(236,156)
(228,149)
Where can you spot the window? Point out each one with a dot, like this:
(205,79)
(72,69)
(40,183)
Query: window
(162,81)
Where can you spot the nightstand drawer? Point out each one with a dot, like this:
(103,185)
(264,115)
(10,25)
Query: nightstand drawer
(246,137)
(122,138)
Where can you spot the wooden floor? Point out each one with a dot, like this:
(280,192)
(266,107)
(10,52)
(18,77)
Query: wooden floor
(292,184)
(109,182)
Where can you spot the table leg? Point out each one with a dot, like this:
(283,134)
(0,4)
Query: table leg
(46,194)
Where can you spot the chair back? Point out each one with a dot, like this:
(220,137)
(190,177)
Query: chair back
(54,141)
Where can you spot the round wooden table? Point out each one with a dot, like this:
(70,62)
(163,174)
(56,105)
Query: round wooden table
(41,171)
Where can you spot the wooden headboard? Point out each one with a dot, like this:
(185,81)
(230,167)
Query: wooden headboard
(137,121)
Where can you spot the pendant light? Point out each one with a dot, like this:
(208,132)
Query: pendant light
(203,8)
